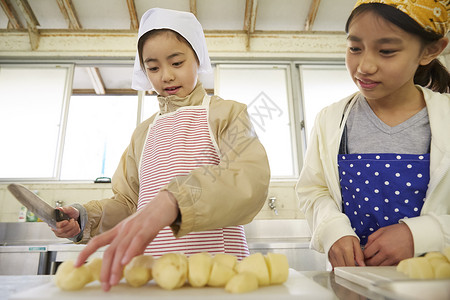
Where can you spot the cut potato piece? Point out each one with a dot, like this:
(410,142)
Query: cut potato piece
(225,259)
(199,269)
(95,266)
(442,271)
(446,252)
(432,265)
(435,255)
(420,268)
(170,270)
(139,270)
(278,267)
(436,260)
(256,264)
(69,278)
(220,275)
(242,283)
(417,268)
(403,266)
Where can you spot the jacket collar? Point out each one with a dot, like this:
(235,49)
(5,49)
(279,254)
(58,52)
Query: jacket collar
(172,103)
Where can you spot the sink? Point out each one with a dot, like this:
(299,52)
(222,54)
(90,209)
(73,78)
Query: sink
(290,237)
(27,233)
(278,228)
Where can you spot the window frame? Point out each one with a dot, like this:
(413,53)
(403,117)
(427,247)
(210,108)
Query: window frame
(292,115)
(300,109)
(63,117)
(294,90)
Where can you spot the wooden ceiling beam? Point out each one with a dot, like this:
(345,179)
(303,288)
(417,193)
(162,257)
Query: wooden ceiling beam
(32,23)
(80,92)
(115,43)
(107,92)
(28,13)
(250,18)
(312,15)
(193,7)
(69,13)
(96,79)
(72,14)
(134,22)
(63,10)
(14,22)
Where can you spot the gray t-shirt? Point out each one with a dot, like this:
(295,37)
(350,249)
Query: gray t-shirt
(366,133)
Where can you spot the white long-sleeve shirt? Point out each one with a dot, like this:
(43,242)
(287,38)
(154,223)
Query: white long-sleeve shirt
(318,187)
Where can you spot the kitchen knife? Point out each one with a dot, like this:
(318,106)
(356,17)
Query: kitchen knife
(36,205)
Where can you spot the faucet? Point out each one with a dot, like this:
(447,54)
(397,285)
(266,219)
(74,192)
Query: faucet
(272,205)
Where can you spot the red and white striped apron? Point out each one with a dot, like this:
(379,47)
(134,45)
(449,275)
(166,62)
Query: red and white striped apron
(177,143)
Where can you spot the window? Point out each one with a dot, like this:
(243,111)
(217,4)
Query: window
(322,86)
(32,105)
(48,135)
(266,91)
(150,107)
(99,129)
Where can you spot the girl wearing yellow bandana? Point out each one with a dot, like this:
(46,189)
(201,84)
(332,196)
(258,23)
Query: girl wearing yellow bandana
(375,186)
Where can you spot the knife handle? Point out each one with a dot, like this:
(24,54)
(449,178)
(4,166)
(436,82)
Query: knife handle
(60,216)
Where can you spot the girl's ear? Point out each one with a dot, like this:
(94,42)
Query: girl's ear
(433,50)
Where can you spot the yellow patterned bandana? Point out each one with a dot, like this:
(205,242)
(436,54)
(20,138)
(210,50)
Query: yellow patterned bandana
(433,15)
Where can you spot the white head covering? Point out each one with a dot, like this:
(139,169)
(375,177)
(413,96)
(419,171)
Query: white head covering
(183,23)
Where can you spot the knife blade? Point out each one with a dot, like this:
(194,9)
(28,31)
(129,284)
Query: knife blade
(36,205)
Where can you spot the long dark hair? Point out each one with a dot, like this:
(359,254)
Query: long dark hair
(434,75)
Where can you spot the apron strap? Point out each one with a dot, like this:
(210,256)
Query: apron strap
(343,147)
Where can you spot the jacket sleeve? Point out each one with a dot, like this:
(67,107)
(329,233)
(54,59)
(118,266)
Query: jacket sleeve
(232,192)
(431,230)
(103,215)
(318,189)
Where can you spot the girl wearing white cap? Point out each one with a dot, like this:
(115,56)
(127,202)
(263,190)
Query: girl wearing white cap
(192,173)
(375,187)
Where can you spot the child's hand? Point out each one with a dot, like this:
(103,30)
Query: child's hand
(389,245)
(130,237)
(70,228)
(346,252)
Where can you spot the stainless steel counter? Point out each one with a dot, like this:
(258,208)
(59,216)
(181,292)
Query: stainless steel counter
(32,248)
(289,237)
(27,233)
(57,253)
(24,248)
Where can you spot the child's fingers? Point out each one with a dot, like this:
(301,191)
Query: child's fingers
(72,212)
(342,252)
(95,243)
(359,255)
(66,228)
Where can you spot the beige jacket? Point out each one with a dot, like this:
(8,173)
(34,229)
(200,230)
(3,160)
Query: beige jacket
(210,197)
(319,191)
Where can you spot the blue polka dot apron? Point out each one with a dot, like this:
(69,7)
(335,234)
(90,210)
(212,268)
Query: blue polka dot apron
(380,189)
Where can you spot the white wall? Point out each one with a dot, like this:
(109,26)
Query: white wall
(286,203)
